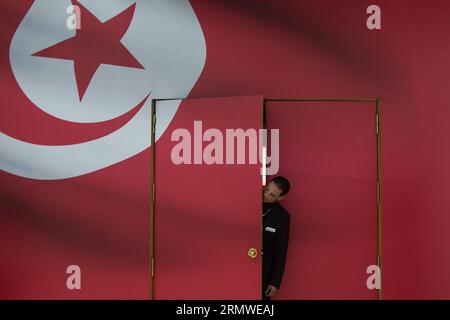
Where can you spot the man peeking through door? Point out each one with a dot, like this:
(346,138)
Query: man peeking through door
(276,222)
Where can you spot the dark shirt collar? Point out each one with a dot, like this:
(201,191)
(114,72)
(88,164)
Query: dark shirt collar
(267,206)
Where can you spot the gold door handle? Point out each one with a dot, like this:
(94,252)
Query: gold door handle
(252,253)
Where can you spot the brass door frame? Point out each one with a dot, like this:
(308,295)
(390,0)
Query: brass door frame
(152,194)
(376,102)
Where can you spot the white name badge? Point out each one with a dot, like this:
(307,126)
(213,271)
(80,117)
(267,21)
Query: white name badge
(270,229)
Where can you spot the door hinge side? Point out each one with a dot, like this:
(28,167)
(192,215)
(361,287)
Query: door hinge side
(378,192)
(153,193)
(377,124)
(153,267)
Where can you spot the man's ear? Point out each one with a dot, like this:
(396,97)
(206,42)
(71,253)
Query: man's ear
(281,198)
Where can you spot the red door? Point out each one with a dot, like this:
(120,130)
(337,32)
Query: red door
(328,152)
(207,216)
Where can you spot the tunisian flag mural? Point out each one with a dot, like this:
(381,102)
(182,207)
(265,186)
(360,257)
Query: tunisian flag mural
(75,139)
(75,118)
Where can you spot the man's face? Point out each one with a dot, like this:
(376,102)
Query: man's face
(272,193)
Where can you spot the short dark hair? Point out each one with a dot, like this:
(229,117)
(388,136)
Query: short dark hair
(283,184)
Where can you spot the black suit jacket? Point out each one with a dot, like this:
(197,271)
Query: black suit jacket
(275,244)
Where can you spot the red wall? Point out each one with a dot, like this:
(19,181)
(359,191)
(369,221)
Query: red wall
(323,49)
(275,48)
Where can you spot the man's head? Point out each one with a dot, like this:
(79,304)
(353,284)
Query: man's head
(276,189)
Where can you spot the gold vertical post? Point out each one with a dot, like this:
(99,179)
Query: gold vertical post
(379,198)
(264,125)
(152,198)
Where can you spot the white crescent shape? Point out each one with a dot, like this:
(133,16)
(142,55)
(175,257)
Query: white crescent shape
(59,162)
(175,51)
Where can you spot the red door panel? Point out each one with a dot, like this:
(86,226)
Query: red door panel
(207,216)
(328,152)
